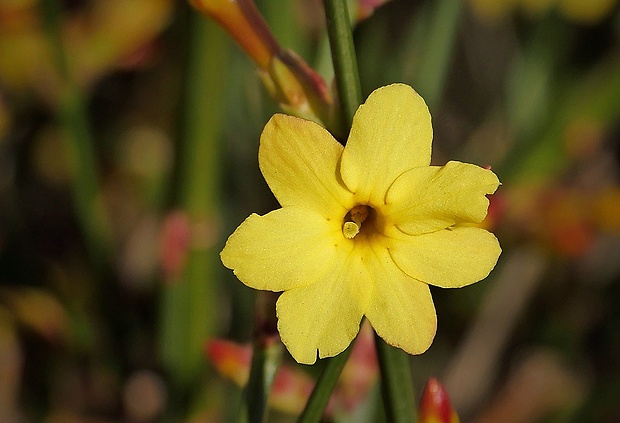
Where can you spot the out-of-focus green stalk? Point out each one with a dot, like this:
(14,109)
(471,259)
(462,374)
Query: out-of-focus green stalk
(436,50)
(189,303)
(73,118)
(592,99)
(534,78)
(396,383)
(288,32)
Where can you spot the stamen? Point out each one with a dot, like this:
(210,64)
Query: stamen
(350,229)
(359,214)
(354,219)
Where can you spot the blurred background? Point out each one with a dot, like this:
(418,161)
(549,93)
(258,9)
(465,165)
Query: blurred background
(128,152)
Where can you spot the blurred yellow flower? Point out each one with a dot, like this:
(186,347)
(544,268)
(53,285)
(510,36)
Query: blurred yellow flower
(363,229)
(98,39)
(579,11)
(587,12)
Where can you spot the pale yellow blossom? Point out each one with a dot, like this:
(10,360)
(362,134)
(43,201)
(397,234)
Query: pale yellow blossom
(363,229)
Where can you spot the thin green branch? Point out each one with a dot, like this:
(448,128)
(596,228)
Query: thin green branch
(348,82)
(396,383)
(343,55)
(397,386)
(265,359)
(265,362)
(324,388)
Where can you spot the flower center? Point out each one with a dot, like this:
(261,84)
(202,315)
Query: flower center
(353,221)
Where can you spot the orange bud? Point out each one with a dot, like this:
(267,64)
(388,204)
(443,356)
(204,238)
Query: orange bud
(297,88)
(435,406)
(230,359)
(245,24)
(366,8)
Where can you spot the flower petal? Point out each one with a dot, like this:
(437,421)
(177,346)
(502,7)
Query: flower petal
(449,258)
(391,134)
(401,309)
(326,315)
(286,248)
(426,199)
(299,160)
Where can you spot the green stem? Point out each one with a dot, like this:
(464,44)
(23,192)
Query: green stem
(348,82)
(396,383)
(343,55)
(73,118)
(437,49)
(265,358)
(324,388)
(265,362)
(257,390)
(397,386)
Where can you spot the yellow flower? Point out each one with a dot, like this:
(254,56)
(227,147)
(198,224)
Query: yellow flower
(363,229)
